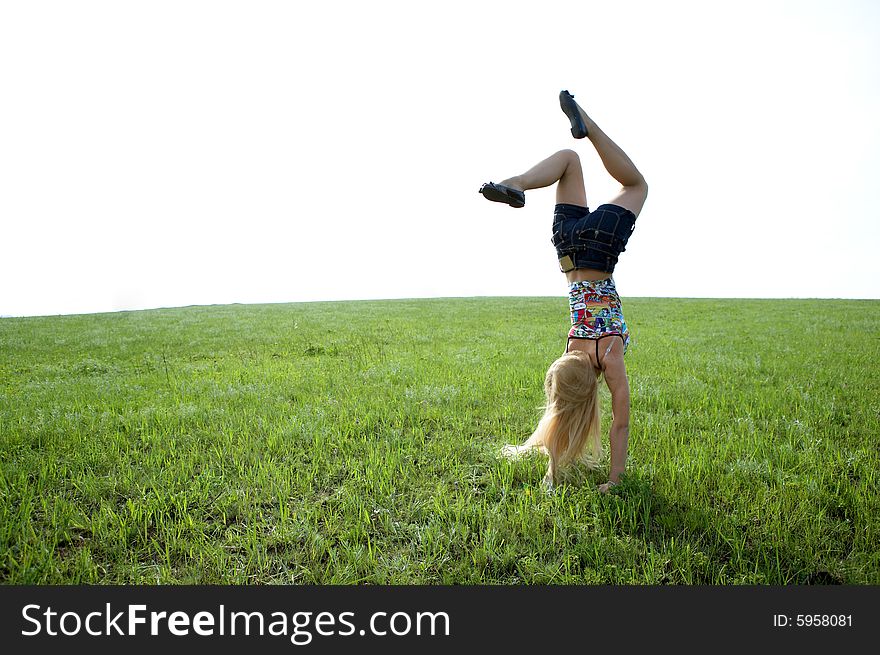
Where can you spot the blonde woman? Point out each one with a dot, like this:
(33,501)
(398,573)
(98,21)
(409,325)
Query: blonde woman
(588,245)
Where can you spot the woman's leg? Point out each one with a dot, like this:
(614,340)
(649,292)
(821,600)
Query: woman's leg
(635,190)
(563,167)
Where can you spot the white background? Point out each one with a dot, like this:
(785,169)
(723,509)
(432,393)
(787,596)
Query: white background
(197,152)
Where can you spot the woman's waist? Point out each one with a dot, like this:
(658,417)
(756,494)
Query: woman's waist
(587,275)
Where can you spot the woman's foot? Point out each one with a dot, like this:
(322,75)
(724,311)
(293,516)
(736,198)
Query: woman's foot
(503,193)
(575,115)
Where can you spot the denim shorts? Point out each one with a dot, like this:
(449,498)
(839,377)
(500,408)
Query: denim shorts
(591,239)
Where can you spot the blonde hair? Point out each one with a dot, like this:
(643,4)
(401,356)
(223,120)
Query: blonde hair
(571,423)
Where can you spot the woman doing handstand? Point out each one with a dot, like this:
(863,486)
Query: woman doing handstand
(588,245)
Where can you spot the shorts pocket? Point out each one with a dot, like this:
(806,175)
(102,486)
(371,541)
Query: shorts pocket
(562,235)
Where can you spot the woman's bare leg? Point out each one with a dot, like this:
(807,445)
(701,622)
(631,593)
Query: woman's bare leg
(563,167)
(635,190)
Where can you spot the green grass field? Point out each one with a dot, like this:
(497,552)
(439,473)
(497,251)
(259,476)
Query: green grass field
(357,442)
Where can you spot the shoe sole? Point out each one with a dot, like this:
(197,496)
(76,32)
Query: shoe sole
(569,108)
(495,194)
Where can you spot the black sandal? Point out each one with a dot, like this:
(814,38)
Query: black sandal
(569,106)
(501,193)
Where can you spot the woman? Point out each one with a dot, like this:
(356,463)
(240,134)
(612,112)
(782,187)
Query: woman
(588,245)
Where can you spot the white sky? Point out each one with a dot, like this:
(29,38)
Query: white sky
(196,152)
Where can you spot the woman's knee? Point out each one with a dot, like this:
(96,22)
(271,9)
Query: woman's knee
(569,155)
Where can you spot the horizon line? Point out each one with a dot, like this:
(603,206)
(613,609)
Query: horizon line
(409,298)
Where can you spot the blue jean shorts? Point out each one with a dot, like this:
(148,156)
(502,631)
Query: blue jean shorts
(591,239)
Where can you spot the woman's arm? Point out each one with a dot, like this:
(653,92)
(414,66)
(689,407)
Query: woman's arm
(618,385)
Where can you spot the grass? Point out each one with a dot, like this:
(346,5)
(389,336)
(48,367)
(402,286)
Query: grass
(357,442)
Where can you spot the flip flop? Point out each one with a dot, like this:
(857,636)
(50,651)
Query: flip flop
(501,193)
(569,106)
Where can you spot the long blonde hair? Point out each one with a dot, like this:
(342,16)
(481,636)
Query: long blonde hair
(569,430)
